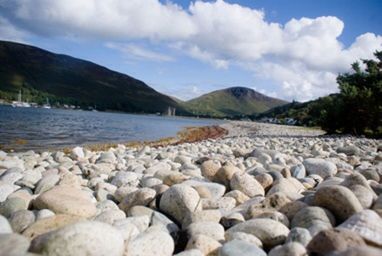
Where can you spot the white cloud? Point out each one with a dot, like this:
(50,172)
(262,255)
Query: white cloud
(134,51)
(302,56)
(9,32)
(102,18)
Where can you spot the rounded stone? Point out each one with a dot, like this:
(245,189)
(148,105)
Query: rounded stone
(110,216)
(44,213)
(46,225)
(179,201)
(240,247)
(244,237)
(298,171)
(20,220)
(209,168)
(82,238)
(208,246)
(67,200)
(300,235)
(265,180)
(239,196)
(13,245)
(270,232)
(5,226)
(225,173)
(320,167)
(339,200)
(149,243)
(210,229)
(359,251)
(142,196)
(334,240)
(367,224)
(288,249)
(12,205)
(364,195)
(247,184)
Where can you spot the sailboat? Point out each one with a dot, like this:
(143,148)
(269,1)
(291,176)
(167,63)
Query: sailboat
(19,103)
(46,105)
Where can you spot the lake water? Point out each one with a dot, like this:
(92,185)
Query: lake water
(39,129)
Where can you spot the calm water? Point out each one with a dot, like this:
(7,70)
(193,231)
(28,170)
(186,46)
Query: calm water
(32,128)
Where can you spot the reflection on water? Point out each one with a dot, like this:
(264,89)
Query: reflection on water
(32,128)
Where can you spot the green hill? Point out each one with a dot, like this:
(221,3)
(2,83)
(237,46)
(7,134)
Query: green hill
(231,102)
(40,74)
(307,113)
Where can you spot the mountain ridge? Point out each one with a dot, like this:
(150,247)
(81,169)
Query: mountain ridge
(64,79)
(237,101)
(75,81)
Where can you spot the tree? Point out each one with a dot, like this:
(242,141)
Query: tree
(360,101)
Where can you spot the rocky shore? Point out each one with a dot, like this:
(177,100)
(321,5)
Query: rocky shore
(259,190)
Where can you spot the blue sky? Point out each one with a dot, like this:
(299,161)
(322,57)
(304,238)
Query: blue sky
(286,49)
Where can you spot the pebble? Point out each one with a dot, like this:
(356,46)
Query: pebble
(339,200)
(22,219)
(209,168)
(320,167)
(13,244)
(142,196)
(298,171)
(210,229)
(270,232)
(288,249)
(300,235)
(12,205)
(208,246)
(179,201)
(5,226)
(154,242)
(5,191)
(331,240)
(246,184)
(49,224)
(67,200)
(82,238)
(240,247)
(368,224)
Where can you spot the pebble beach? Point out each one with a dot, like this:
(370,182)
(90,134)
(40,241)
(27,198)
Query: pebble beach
(256,189)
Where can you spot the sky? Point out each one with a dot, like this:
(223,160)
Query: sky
(290,49)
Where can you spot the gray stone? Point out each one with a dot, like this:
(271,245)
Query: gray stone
(179,201)
(12,205)
(142,196)
(5,191)
(46,183)
(270,232)
(20,220)
(109,216)
(240,247)
(82,238)
(13,245)
(154,242)
(289,249)
(298,171)
(300,235)
(210,229)
(67,200)
(320,167)
(5,226)
(339,200)
(247,184)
